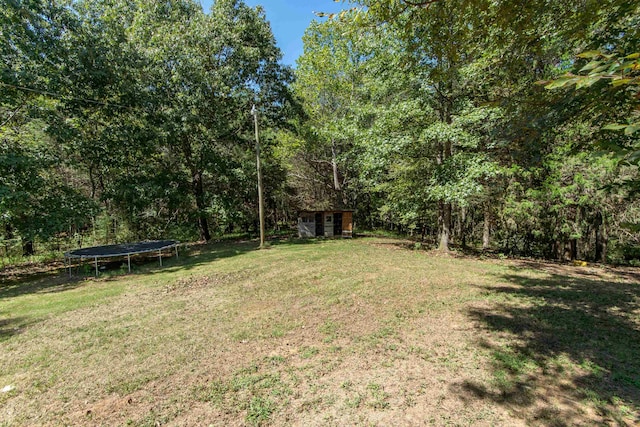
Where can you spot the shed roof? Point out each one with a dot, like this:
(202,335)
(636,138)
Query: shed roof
(327,210)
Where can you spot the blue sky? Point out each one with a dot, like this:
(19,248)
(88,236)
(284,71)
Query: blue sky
(289,19)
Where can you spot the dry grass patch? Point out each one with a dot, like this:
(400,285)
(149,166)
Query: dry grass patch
(361,332)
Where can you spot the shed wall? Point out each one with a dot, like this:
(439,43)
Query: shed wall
(347,221)
(313,224)
(306,228)
(328,224)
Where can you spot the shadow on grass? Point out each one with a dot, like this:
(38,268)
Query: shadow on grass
(198,254)
(53,277)
(205,253)
(12,326)
(561,341)
(22,281)
(31,283)
(300,241)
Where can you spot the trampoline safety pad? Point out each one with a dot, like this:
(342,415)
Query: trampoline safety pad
(121,250)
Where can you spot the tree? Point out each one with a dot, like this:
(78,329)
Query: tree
(201,93)
(36,200)
(623,73)
(156,135)
(329,85)
(439,45)
(486,129)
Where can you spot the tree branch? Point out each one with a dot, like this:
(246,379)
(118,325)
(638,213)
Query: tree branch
(13,113)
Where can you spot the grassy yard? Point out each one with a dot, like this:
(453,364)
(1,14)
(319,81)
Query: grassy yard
(357,332)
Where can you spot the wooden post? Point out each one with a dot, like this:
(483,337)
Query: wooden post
(254,113)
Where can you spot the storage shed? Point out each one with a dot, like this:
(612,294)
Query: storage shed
(327,223)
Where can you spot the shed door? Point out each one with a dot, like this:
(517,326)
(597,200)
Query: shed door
(347,221)
(319,225)
(337,224)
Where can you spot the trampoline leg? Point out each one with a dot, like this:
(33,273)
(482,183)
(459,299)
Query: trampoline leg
(96,266)
(176,251)
(129,261)
(160,257)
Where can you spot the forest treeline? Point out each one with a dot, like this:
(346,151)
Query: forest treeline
(497,125)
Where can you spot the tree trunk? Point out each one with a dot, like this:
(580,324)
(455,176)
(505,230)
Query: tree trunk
(486,230)
(27,248)
(563,251)
(444,219)
(276,225)
(605,240)
(93,182)
(8,232)
(444,213)
(600,243)
(198,192)
(334,166)
(463,226)
(197,187)
(574,249)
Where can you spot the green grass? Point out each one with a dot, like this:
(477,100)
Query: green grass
(352,332)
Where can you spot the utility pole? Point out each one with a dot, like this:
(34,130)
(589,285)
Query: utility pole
(254,113)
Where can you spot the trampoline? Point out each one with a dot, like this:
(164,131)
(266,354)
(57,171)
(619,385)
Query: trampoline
(112,251)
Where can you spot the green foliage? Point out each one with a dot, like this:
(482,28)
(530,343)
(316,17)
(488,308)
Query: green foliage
(621,72)
(423,116)
(444,124)
(117,117)
(34,200)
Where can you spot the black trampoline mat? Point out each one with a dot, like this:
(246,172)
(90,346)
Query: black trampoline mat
(121,249)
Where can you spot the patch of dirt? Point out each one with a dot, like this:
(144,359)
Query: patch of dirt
(588,271)
(28,270)
(185,284)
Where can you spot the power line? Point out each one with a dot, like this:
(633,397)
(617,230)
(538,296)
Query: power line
(60,96)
